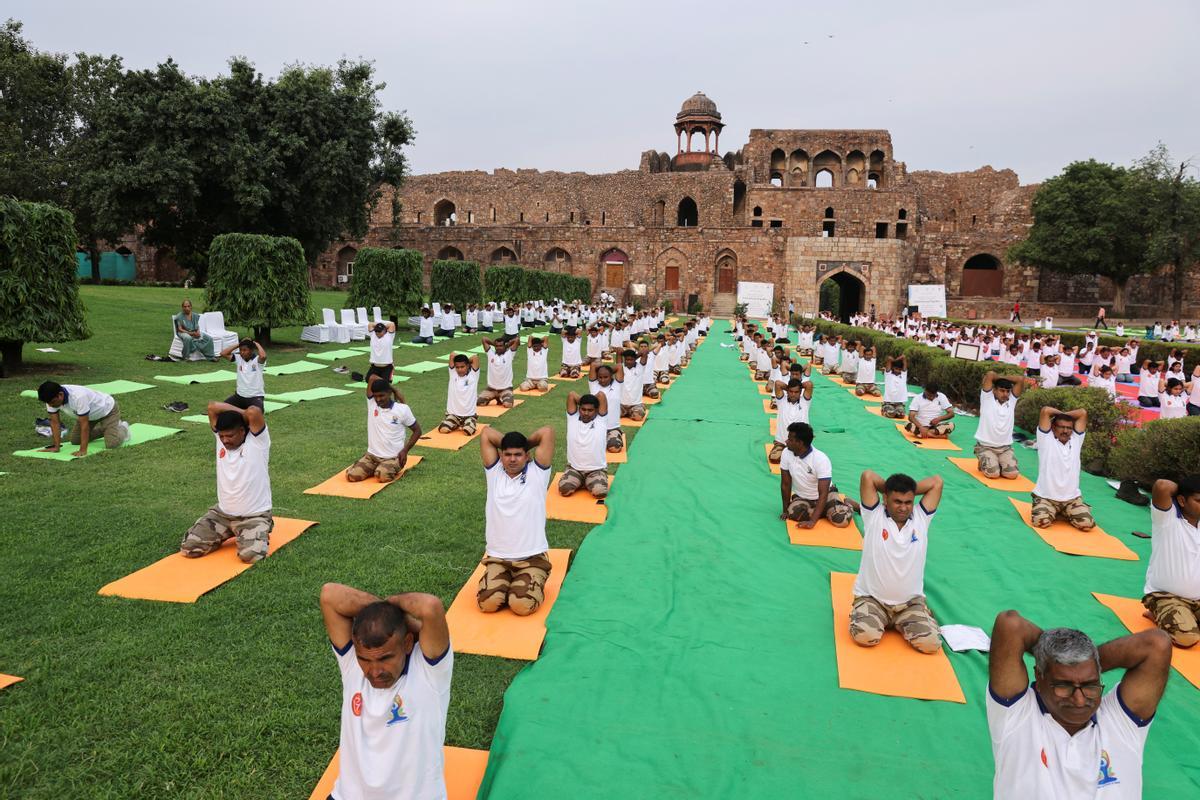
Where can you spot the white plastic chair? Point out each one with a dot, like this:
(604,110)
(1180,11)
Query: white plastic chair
(357,331)
(377,313)
(316,333)
(213,323)
(363,319)
(337,332)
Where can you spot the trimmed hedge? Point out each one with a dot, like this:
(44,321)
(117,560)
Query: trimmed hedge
(39,298)
(504,283)
(257,280)
(1105,419)
(516,284)
(455,282)
(390,279)
(1164,448)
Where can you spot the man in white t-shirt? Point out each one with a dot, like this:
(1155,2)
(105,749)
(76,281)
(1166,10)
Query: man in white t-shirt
(392,430)
(889,591)
(805,482)
(993,438)
(500,357)
(895,387)
(512,322)
(425,327)
(1056,495)
(1172,591)
(396,664)
(537,375)
(632,406)
(249,360)
(516,560)
(97,415)
(646,370)
(382,341)
(587,439)
(792,403)
(609,381)
(243,507)
(461,395)
(864,378)
(929,414)
(1062,736)
(485,317)
(572,359)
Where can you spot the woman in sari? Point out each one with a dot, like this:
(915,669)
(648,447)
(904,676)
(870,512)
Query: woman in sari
(187,328)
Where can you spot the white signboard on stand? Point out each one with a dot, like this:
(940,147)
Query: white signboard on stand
(929,298)
(758,298)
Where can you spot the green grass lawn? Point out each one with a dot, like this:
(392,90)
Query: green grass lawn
(238,694)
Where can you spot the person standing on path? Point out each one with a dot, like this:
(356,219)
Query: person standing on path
(1100,319)
(249,360)
(1015,316)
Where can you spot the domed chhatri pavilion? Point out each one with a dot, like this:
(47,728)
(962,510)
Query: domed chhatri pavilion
(790,207)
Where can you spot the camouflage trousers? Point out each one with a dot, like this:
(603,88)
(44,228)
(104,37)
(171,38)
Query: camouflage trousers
(596,481)
(662,377)
(569,371)
(869,618)
(776,454)
(804,351)
(1075,511)
(761,374)
(828,369)
(817,361)
(848,378)
(516,584)
(892,410)
(385,469)
(454,422)
(529,384)
(503,397)
(861,389)
(637,411)
(996,461)
(211,531)
(616,441)
(940,429)
(1175,615)
(837,510)
(650,390)
(675,370)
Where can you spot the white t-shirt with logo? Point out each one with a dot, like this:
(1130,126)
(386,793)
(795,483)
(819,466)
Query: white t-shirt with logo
(381,347)
(1174,554)
(787,413)
(249,376)
(895,387)
(806,471)
(631,387)
(928,410)
(1172,406)
(1058,466)
(866,371)
(512,324)
(892,569)
(535,364)
(387,428)
(500,368)
(516,511)
(1148,384)
(243,479)
(586,443)
(571,356)
(461,392)
(612,392)
(391,739)
(85,402)
(995,420)
(426,329)
(1036,758)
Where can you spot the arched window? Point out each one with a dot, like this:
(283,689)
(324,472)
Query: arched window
(444,213)
(739,200)
(689,215)
(557,259)
(777,179)
(449,253)
(830,162)
(903,214)
(778,161)
(660,213)
(829,212)
(758,211)
(824,179)
(982,276)
(502,255)
(872,181)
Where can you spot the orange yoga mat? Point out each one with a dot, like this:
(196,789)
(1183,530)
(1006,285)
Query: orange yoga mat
(971,467)
(826,534)
(773,425)
(866,398)
(891,667)
(1066,539)
(178,579)
(927,444)
(341,486)
(767,407)
(495,410)
(463,769)
(8,680)
(534,392)
(626,422)
(763,390)
(651,401)
(454,440)
(775,468)
(579,507)
(503,634)
(1132,614)
(560,379)
(621,457)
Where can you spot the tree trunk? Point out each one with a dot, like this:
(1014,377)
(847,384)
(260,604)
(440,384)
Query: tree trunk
(94,255)
(262,335)
(1119,296)
(1177,278)
(11,352)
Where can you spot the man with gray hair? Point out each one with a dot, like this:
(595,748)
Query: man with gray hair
(1084,739)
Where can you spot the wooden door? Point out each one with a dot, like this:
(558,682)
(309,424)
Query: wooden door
(725,280)
(614,275)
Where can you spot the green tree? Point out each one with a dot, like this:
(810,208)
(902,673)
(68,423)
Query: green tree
(390,279)
(39,297)
(302,156)
(1091,220)
(1174,210)
(260,281)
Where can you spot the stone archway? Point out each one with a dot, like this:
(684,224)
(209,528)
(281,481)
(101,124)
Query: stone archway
(842,292)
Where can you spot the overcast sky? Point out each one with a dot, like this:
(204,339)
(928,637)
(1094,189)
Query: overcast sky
(588,86)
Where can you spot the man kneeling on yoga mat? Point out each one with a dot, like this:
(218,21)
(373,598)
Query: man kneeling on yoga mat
(396,664)
(392,430)
(889,591)
(1066,737)
(516,559)
(243,508)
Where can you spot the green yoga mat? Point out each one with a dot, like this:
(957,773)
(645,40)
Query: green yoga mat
(363,384)
(138,433)
(199,377)
(294,368)
(268,407)
(320,393)
(110,387)
(335,355)
(424,366)
(698,661)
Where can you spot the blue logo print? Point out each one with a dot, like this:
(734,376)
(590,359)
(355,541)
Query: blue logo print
(1107,776)
(398,714)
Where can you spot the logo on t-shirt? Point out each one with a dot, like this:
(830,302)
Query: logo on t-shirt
(356,704)
(1045,763)
(885,534)
(398,714)
(222,453)
(1107,776)
(377,412)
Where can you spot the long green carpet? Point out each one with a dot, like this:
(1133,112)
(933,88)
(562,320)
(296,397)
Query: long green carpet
(690,653)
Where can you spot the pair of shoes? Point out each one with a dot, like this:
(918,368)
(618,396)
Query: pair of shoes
(124,426)
(357,377)
(176,406)
(1128,491)
(341,370)
(42,430)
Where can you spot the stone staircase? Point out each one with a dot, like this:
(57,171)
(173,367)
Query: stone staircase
(722,304)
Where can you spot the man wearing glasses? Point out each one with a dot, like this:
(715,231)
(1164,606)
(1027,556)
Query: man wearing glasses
(1067,738)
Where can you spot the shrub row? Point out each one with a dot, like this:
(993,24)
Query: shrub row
(390,279)
(516,284)
(1106,420)
(455,282)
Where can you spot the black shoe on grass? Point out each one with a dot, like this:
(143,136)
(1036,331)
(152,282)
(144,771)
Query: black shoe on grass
(1128,491)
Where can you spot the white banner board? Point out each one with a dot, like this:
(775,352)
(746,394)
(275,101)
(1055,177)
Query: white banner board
(757,297)
(929,298)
